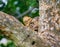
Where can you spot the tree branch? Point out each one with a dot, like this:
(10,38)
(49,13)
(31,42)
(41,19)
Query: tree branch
(26,12)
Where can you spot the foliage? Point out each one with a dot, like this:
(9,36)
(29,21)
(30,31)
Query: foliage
(17,7)
(8,44)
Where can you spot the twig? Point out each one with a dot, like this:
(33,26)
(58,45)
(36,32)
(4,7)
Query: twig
(26,12)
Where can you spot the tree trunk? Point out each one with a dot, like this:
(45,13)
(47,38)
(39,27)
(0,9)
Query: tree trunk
(49,22)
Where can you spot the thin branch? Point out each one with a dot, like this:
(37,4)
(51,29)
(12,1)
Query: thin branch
(26,12)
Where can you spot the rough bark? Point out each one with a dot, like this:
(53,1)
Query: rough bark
(49,22)
(14,30)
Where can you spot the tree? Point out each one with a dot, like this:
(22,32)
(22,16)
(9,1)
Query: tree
(48,34)
(14,30)
(49,22)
